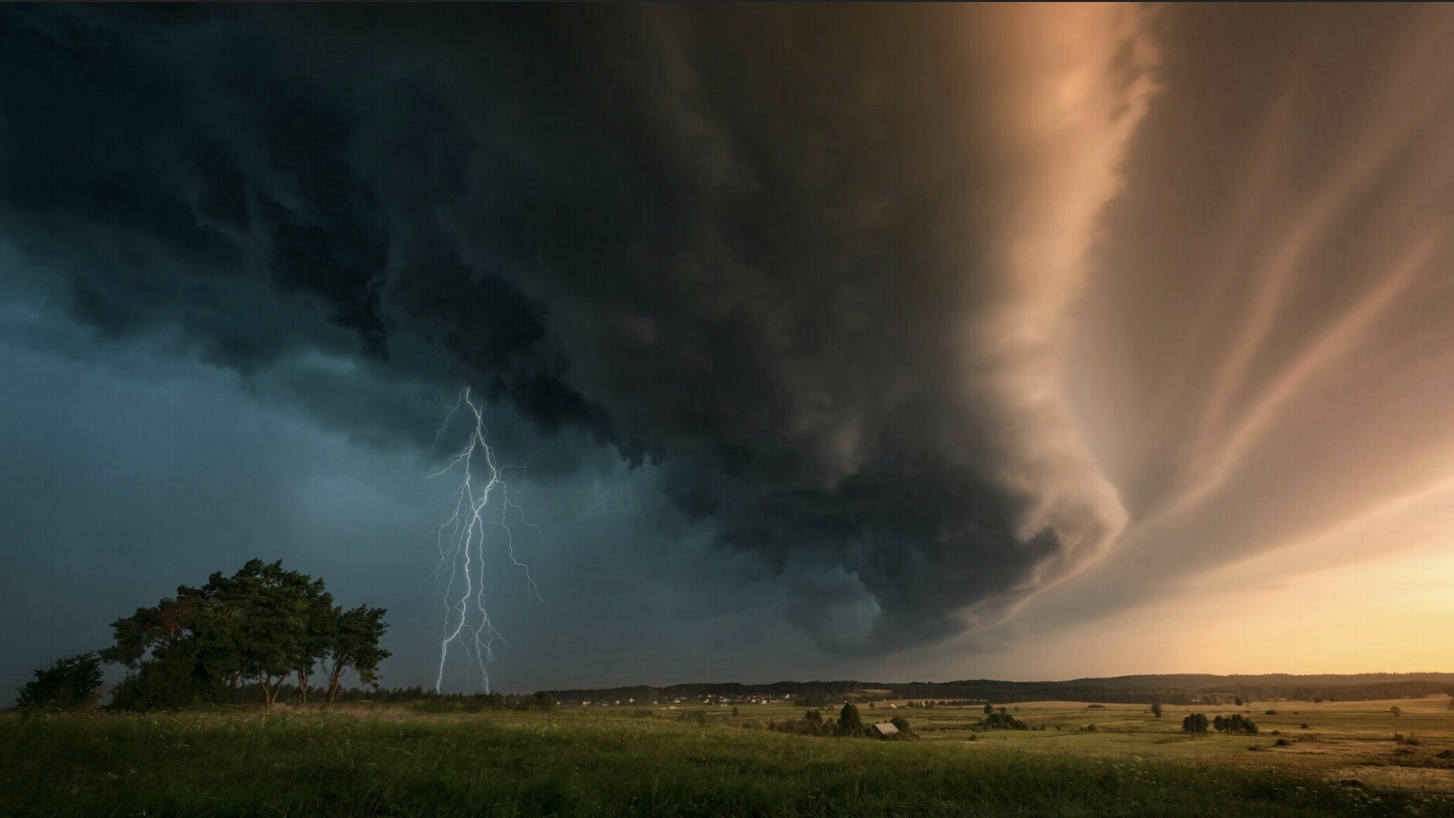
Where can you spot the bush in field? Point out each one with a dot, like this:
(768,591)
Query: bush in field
(539,700)
(901,723)
(1156,709)
(71,683)
(1196,724)
(699,717)
(849,722)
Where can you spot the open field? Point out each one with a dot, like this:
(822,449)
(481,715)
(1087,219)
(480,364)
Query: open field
(606,761)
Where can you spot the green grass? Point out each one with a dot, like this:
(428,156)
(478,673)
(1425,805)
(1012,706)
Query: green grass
(401,763)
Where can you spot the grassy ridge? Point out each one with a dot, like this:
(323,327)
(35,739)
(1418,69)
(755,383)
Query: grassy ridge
(402,764)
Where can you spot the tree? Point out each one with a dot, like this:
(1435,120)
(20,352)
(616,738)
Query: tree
(849,723)
(278,622)
(988,709)
(172,660)
(71,683)
(355,644)
(152,629)
(1156,709)
(1396,710)
(1196,724)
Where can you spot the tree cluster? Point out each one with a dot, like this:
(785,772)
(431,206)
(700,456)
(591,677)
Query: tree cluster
(263,625)
(1235,723)
(1000,720)
(1196,724)
(848,725)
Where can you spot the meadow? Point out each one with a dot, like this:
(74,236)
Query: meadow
(439,760)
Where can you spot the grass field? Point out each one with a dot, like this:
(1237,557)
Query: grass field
(398,761)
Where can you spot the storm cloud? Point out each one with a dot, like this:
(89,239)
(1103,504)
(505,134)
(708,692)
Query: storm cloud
(812,264)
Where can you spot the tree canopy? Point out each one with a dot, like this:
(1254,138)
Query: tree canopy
(849,722)
(263,624)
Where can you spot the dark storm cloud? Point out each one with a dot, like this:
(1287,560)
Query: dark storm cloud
(795,256)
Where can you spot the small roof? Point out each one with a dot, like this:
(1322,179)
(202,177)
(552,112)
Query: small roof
(885,728)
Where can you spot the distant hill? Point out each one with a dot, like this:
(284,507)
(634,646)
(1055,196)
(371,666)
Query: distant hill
(1180,688)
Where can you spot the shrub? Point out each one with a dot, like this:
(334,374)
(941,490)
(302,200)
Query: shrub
(71,683)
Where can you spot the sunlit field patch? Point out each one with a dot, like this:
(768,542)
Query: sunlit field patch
(396,761)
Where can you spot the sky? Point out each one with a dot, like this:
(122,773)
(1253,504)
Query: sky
(892,343)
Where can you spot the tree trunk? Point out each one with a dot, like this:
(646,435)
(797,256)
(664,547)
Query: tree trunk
(302,687)
(333,682)
(271,691)
(262,680)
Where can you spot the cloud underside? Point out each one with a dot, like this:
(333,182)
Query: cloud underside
(814,263)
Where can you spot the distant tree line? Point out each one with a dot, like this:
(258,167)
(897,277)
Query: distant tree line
(1167,689)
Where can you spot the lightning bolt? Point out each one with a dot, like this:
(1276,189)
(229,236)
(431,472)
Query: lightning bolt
(461,540)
